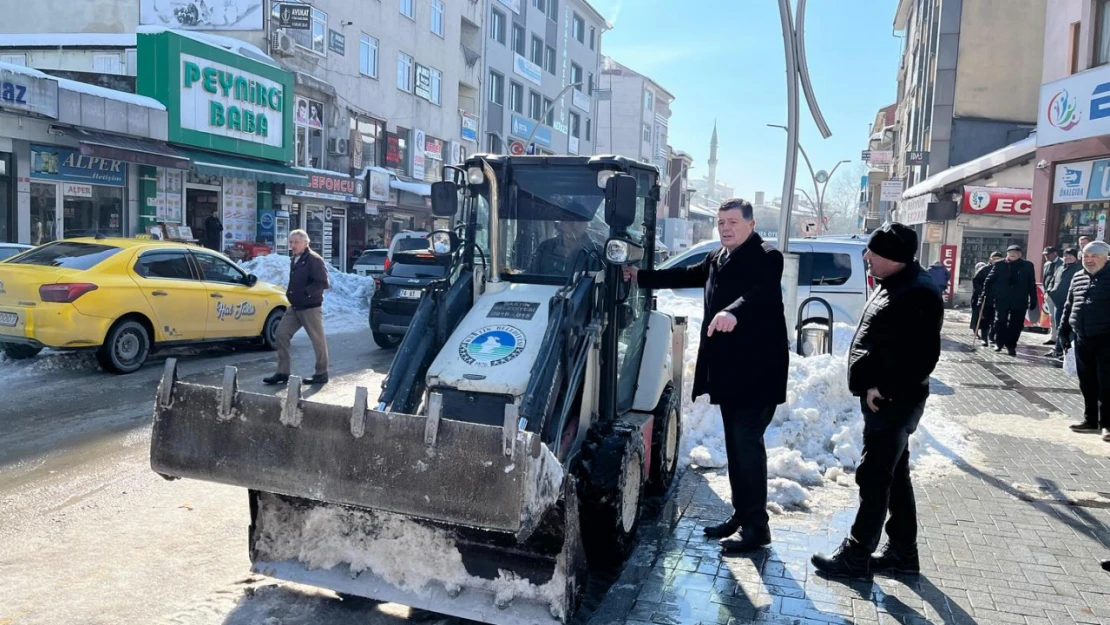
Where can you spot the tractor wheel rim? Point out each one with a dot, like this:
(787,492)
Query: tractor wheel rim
(128,347)
(630,493)
(670,449)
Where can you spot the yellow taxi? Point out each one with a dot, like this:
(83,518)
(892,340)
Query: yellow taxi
(126,297)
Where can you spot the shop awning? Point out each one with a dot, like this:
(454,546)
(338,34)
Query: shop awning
(1000,159)
(416,188)
(141,151)
(212,164)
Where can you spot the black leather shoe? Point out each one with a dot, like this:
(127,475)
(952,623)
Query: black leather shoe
(847,561)
(896,560)
(985,343)
(1084,428)
(1011,351)
(749,540)
(728,528)
(1049,342)
(317,380)
(1106,565)
(277,378)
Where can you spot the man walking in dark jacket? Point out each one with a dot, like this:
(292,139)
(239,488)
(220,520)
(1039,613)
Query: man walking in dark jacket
(213,231)
(308,279)
(742,358)
(982,315)
(1086,322)
(896,348)
(1058,295)
(1011,288)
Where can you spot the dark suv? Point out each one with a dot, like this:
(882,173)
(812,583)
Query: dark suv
(398,293)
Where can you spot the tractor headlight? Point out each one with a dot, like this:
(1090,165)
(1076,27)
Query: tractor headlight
(603,177)
(617,251)
(474,175)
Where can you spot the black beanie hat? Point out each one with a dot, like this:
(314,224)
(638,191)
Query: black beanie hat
(894,242)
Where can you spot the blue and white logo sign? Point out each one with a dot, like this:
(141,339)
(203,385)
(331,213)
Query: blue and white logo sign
(492,346)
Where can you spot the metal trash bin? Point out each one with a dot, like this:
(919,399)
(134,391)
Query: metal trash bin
(815,338)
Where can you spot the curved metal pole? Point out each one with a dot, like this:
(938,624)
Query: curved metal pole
(791,175)
(548,110)
(803,66)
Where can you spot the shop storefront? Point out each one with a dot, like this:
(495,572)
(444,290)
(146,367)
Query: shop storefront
(232,118)
(322,206)
(73,195)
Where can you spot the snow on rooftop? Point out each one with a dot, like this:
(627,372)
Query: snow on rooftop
(66,40)
(110,94)
(1012,153)
(22,69)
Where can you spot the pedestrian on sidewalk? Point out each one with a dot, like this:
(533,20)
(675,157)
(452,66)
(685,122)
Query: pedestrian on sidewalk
(1052,264)
(308,279)
(1086,323)
(896,348)
(742,359)
(940,275)
(1061,285)
(1011,289)
(982,315)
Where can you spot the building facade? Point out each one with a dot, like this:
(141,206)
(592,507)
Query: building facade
(954,105)
(542,59)
(634,120)
(874,211)
(1071,189)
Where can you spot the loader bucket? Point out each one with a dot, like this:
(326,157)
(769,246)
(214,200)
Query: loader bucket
(492,478)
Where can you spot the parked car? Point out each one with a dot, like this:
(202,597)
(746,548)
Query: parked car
(397,294)
(371,263)
(7,250)
(125,298)
(407,241)
(831,268)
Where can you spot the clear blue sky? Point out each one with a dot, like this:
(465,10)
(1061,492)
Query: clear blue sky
(724,59)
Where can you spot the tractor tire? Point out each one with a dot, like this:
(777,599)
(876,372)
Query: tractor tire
(612,494)
(666,442)
(16,351)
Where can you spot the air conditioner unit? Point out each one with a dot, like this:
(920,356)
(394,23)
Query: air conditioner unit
(282,43)
(337,146)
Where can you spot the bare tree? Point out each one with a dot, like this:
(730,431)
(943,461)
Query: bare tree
(842,201)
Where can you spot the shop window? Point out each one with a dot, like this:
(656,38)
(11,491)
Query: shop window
(99,213)
(308,121)
(433,159)
(397,151)
(1102,33)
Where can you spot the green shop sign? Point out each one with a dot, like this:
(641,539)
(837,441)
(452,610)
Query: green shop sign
(216,99)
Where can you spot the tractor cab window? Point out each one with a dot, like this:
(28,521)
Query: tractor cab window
(552,224)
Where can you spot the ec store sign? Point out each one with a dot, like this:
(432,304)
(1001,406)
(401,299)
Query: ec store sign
(1076,107)
(992,201)
(340,188)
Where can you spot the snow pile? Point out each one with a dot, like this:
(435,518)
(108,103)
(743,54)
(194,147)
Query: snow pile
(415,558)
(816,437)
(346,303)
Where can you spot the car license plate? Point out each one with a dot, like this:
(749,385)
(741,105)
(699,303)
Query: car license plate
(8,319)
(411,293)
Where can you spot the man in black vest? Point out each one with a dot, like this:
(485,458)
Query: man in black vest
(742,358)
(896,348)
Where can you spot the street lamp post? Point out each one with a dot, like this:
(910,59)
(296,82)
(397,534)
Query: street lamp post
(818,188)
(548,110)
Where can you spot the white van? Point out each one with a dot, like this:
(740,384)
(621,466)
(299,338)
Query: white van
(831,268)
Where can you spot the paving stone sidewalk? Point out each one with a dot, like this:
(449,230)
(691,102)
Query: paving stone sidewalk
(1015,535)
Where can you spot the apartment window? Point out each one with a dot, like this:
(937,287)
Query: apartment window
(552,10)
(309,126)
(540,4)
(537,50)
(593,34)
(535,105)
(494,144)
(647,133)
(548,106)
(368,56)
(1073,49)
(437,86)
(437,17)
(549,60)
(371,133)
(575,125)
(576,76)
(590,85)
(313,39)
(578,28)
(588,133)
(1102,33)
(649,100)
(497,27)
(516,97)
(519,40)
(404,72)
(408,8)
(496,88)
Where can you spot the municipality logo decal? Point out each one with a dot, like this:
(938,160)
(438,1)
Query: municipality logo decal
(492,346)
(979,200)
(1061,111)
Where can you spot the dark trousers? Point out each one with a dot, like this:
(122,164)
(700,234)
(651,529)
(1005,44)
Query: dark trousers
(1007,327)
(747,462)
(1092,359)
(1058,315)
(986,325)
(883,477)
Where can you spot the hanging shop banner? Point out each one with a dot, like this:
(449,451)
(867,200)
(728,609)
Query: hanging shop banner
(948,257)
(1076,107)
(329,187)
(469,128)
(379,186)
(522,127)
(64,165)
(1084,181)
(988,201)
(419,141)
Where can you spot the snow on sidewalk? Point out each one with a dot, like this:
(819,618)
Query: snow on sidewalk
(346,303)
(816,438)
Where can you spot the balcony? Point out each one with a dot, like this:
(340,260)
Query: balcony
(472,68)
